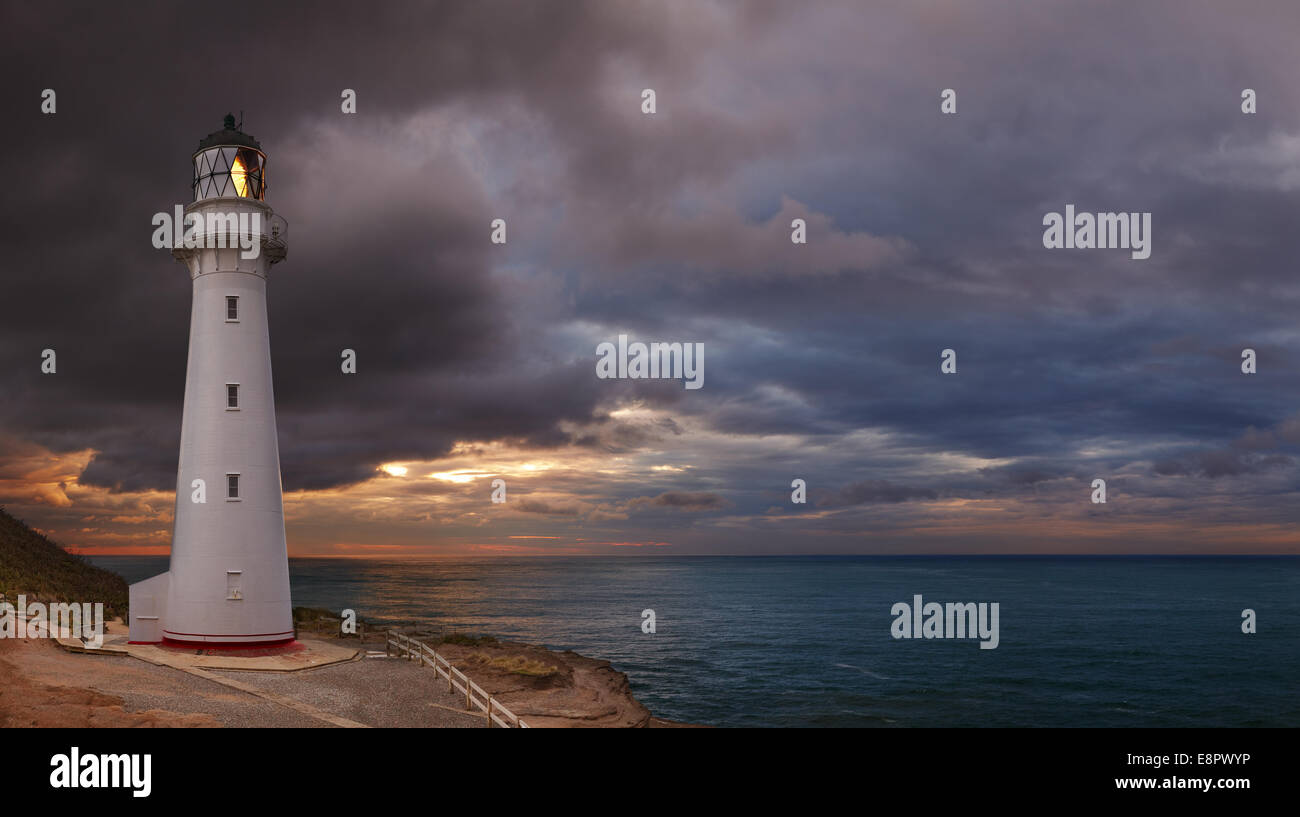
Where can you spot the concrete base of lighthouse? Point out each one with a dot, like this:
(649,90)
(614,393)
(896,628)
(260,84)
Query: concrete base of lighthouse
(149,622)
(300,654)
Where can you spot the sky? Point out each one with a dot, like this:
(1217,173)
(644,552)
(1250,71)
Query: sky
(477,361)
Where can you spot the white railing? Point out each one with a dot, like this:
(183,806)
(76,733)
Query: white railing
(457,681)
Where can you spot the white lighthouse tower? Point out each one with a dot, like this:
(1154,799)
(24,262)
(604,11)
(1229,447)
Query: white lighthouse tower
(229,577)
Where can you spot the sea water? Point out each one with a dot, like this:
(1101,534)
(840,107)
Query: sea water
(805,641)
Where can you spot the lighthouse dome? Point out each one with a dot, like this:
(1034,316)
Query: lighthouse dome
(229,163)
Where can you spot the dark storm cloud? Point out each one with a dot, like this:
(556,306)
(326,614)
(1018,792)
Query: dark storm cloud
(1027,473)
(1220,463)
(387,250)
(876,490)
(681,500)
(545,508)
(925,234)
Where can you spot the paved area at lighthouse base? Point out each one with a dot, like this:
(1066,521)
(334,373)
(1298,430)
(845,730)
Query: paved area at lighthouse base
(305,653)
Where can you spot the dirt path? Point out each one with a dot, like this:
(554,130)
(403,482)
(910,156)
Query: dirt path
(381,692)
(38,691)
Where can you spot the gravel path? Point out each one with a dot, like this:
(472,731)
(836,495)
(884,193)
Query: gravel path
(230,707)
(386,692)
(143,687)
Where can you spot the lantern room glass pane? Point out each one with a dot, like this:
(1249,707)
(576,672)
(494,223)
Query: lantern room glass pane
(230,171)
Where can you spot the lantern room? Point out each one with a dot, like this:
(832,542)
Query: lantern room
(229,163)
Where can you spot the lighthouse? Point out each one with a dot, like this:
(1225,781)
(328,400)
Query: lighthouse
(228,582)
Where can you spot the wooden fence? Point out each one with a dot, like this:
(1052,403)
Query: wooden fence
(457,681)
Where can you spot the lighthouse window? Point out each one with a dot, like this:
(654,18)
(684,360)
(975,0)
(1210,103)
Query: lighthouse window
(232,487)
(232,308)
(232,396)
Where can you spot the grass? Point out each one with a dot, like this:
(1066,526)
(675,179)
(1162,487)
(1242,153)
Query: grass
(313,614)
(516,664)
(321,620)
(462,640)
(33,565)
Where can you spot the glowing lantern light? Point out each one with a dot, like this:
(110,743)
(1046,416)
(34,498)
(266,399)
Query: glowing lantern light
(239,175)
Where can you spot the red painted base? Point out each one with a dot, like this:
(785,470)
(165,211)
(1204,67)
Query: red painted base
(281,647)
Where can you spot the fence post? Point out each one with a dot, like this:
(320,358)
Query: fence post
(489,712)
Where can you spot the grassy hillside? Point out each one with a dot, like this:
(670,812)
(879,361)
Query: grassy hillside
(32,565)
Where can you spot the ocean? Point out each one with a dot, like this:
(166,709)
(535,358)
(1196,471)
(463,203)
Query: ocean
(806,641)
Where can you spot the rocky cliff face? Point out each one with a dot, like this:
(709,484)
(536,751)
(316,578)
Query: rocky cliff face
(550,689)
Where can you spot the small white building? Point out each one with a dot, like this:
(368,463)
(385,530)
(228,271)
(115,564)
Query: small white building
(229,577)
